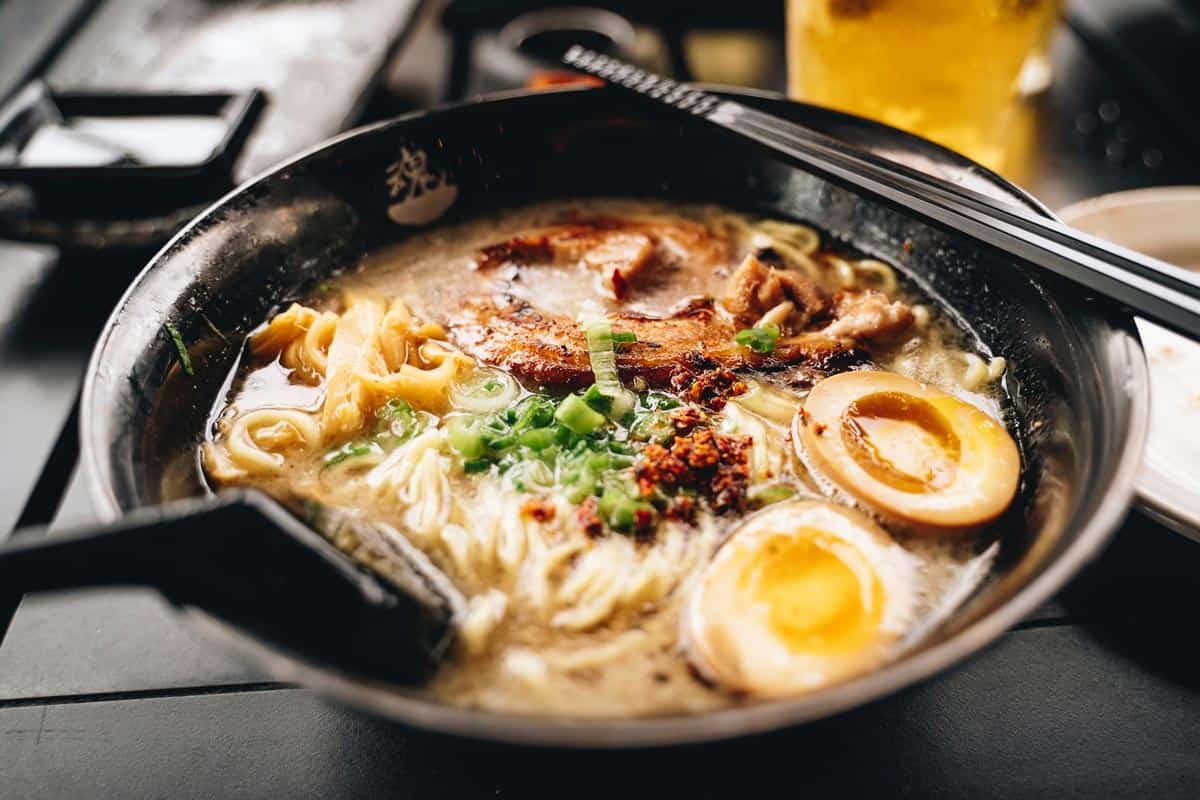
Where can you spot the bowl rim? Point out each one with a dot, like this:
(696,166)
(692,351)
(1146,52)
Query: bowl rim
(415,708)
(1156,501)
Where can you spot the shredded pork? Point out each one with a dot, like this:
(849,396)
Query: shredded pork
(755,289)
(867,315)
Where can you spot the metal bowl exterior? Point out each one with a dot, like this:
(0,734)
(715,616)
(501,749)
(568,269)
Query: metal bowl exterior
(1101,361)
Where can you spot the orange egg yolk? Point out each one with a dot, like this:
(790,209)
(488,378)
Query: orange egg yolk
(902,441)
(822,596)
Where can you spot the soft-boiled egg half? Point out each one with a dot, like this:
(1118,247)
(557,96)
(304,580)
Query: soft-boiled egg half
(802,594)
(910,452)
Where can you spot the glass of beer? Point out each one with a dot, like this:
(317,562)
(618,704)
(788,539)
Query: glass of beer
(943,69)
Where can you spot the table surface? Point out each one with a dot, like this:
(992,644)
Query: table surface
(106,694)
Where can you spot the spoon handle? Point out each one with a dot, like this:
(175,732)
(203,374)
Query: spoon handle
(249,562)
(145,547)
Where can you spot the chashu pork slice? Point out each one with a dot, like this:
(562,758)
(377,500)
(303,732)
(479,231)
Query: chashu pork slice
(550,350)
(623,250)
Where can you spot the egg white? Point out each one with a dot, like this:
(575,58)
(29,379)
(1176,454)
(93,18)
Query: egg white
(728,635)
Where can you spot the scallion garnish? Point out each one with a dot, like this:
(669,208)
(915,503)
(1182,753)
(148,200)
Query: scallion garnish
(485,389)
(760,340)
(602,354)
(770,494)
(572,448)
(351,450)
(597,400)
(465,436)
(652,426)
(537,439)
(578,416)
(395,423)
(185,362)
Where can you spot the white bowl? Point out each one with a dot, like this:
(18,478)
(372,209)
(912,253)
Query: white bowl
(1164,223)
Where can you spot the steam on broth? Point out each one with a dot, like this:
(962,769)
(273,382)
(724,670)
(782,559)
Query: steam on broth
(594,418)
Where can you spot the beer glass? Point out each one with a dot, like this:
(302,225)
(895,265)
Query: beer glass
(943,69)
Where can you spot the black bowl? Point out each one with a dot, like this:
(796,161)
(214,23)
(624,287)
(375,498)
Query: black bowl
(1076,376)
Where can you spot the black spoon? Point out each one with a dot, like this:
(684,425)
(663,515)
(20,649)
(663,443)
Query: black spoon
(247,560)
(1154,289)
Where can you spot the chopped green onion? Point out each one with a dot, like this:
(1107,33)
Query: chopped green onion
(602,354)
(498,442)
(548,455)
(565,436)
(576,415)
(597,462)
(537,439)
(395,423)
(494,423)
(577,492)
(766,495)
(624,517)
(621,507)
(526,474)
(397,418)
(185,361)
(654,426)
(474,465)
(465,437)
(567,447)
(533,411)
(598,401)
(760,340)
(659,401)
(351,450)
(623,447)
(620,460)
(624,337)
(485,390)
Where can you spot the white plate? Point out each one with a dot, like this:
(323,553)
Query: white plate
(1164,223)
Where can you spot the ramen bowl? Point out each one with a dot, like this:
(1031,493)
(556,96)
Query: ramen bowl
(1076,377)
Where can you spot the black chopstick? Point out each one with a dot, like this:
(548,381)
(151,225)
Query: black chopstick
(1159,291)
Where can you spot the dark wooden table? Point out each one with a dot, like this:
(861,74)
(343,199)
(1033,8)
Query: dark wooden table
(105,694)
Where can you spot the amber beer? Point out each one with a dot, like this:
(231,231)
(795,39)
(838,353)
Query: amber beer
(943,69)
